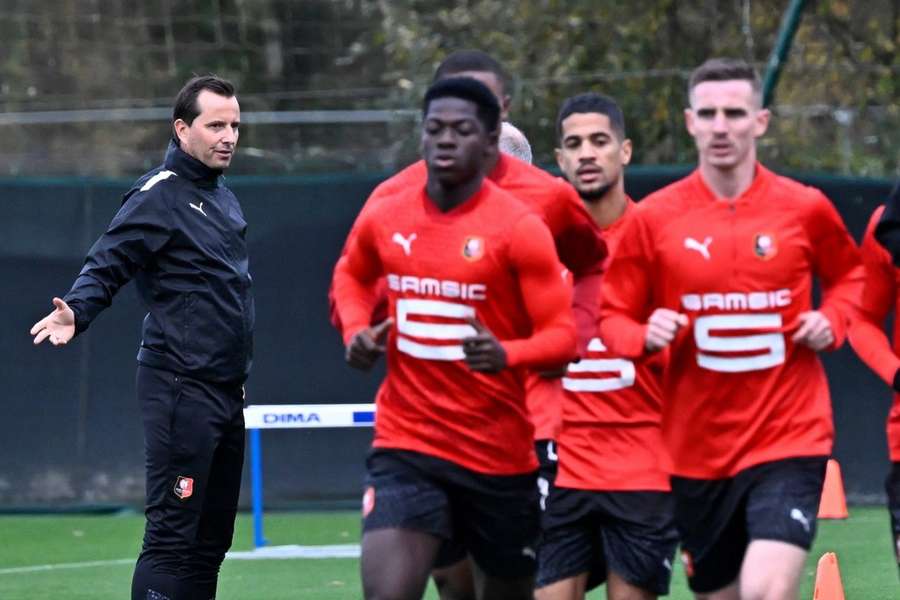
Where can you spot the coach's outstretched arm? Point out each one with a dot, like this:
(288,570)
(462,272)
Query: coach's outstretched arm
(140,229)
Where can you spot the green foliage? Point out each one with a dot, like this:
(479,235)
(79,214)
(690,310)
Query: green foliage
(642,53)
(835,106)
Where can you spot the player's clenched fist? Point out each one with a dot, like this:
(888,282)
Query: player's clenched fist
(815,331)
(367,345)
(483,351)
(662,327)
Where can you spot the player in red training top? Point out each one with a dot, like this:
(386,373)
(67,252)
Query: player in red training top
(579,246)
(610,516)
(881,294)
(719,267)
(476,296)
(887,231)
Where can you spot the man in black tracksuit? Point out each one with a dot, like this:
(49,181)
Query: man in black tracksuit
(180,234)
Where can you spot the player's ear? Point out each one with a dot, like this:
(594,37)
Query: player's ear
(689,120)
(625,150)
(504,107)
(761,122)
(557,152)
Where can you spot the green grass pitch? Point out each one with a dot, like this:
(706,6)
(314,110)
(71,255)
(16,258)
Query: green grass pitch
(862,544)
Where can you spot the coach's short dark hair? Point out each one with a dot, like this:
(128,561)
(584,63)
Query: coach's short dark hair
(461,61)
(488,109)
(725,69)
(186,107)
(592,102)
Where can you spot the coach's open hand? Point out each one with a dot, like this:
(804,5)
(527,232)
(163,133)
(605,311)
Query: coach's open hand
(483,351)
(59,325)
(366,346)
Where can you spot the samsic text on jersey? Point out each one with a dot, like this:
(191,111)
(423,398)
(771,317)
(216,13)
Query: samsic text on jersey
(578,242)
(737,391)
(489,258)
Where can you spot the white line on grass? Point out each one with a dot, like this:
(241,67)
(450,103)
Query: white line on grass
(293,551)
(265,553)
(77,565)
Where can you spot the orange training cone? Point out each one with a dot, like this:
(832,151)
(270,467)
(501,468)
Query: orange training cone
(828,579)
(833,504)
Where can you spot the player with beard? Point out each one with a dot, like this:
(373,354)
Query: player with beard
(476,299)
(610,515)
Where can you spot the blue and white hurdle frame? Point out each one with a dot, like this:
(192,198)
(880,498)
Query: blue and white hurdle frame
(292,416)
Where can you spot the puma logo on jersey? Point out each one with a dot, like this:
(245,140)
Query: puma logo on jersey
(552,456)
(544,490)
(797,515)
(405,243)
(692,244)
(199,209)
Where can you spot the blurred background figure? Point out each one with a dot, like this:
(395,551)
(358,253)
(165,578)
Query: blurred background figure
(513,142)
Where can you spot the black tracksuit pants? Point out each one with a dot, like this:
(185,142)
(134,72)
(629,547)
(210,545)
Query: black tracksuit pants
(194,447)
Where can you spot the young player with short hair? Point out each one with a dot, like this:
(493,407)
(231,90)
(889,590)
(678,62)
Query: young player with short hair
(476,297)
(718,267)
(580,248)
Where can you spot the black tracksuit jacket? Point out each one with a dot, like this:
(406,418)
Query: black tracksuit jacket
(181,235)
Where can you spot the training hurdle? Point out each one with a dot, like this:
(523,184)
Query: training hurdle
(292,416)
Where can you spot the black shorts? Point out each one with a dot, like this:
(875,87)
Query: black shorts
(630,533)
(892,486)
(718,518)
(548,460)
(492,518)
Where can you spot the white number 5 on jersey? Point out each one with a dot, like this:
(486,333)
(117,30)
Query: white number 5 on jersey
(767,348)
(618,372)
(409,308)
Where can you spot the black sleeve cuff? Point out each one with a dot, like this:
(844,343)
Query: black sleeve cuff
(81,323)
